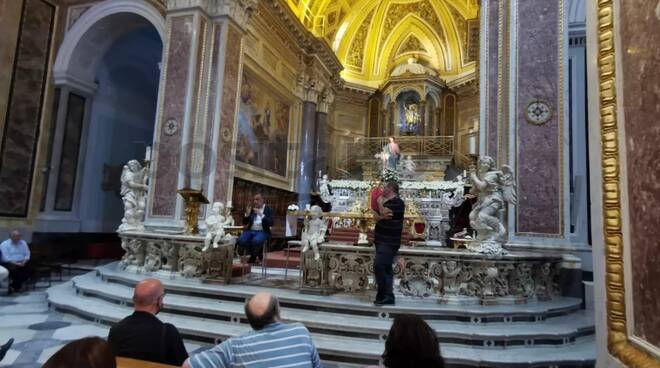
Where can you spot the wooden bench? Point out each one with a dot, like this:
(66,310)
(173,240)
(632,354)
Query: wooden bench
(135,363)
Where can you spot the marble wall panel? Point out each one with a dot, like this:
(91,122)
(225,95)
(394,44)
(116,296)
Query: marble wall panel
(491,126)
(173,106)
(21,128)
(10,20)
(640,63)
(66,178)
(539,153)
(225,153)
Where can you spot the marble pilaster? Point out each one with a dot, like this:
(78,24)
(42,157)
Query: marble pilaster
(539,74)
(197,108)
(491,39)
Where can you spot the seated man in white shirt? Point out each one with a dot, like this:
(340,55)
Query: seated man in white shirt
(15,258)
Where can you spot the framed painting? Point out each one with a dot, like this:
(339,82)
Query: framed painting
(264,119)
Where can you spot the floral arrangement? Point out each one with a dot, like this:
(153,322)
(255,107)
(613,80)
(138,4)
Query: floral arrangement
(389,175)
(293,207)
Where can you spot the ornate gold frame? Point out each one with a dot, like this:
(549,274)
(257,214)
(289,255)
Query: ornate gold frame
(618,342)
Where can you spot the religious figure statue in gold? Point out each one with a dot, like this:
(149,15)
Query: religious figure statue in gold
(412,117)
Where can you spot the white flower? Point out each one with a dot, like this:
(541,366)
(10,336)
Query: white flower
(293,207)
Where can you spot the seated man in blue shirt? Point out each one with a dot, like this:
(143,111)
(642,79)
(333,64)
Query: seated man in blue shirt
(258,220)
(15,258)
(272,343)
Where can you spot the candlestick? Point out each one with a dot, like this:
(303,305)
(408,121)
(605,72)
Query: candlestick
(147,154)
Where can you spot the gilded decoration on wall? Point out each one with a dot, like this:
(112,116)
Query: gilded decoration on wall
(411,44)
(356,51)
(263,127)
(424,10)
(619,343)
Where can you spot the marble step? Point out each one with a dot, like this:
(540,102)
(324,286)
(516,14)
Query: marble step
(357,304)
(556,330)
(341,349)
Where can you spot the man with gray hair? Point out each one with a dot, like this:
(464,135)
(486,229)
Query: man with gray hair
(142,335)
(15,258)
(272,343)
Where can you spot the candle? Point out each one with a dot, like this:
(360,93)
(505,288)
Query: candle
(464,173)
(229,204)
(308,206)
(147,154)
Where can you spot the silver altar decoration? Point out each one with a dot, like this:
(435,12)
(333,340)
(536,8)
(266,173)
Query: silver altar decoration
(494,188)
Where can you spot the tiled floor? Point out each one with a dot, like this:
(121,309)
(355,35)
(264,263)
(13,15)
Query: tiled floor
(39,332)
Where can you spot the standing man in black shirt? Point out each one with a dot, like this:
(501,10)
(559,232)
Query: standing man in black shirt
(142,335)
(387,239)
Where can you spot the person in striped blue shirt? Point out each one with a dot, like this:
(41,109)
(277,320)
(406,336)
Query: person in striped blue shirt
(272,344)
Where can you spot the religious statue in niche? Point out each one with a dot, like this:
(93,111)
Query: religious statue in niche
(411,114)
(215,227)
(134,195)
(314,232)
(494,188)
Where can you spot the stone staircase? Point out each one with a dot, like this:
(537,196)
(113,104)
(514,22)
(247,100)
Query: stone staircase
(348,329)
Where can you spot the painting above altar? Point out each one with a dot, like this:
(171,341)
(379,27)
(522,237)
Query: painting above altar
(263,127)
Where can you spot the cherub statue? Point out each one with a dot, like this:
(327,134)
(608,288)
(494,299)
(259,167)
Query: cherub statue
(494,189)
(324,189)
(314,232)
(134,196)
(409,165)
(215,223)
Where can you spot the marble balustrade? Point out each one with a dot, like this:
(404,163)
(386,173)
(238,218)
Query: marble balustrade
(166,254)
(448,275)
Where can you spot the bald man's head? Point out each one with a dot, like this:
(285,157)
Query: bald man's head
(148,296)
(262,309)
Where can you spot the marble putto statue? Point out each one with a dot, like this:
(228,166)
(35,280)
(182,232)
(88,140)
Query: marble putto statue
(314,232)
(494,188)
(409,165)
(134,195)
(215,227)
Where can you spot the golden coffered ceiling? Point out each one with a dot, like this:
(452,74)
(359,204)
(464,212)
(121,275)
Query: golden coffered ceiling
(371,37)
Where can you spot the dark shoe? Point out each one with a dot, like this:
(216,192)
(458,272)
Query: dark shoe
(386,301)
(5,348)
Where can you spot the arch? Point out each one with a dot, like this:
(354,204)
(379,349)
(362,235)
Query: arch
(412,25)
(576,13)
(70,48)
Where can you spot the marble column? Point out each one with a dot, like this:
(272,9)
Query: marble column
(322,132)
(307,152)
(197,104)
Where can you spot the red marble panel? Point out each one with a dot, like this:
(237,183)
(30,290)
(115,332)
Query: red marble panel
(538,158)
(24,106)
(491,128)
(223,176)
(167,160)
(640,66)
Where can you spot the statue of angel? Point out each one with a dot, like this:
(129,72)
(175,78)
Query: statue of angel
(134,195)
(215,226)
(324,189)
(494,189)
(314,232)
(409,165)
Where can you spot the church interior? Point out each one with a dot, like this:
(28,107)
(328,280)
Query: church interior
(227,148)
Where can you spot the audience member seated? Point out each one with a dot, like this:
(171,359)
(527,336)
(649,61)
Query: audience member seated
(258,220)
(89,352)
(142,335)
(15,258)
(412,343)
(271,344)
(5,348)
